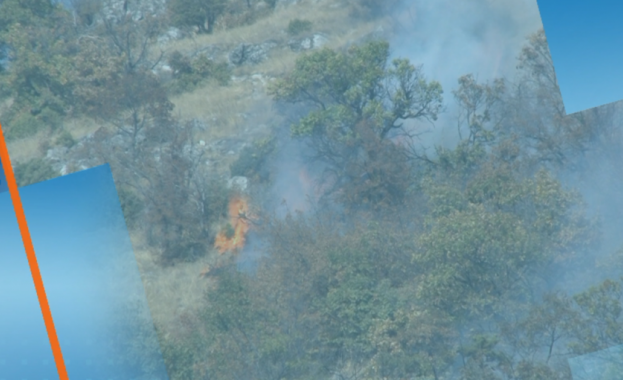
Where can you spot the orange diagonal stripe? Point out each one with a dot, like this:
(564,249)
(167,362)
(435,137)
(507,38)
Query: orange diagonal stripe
(32,259)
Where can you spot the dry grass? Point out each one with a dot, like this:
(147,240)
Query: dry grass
(81,127)
(27,148)
(171,291)
(221,107)
(324,18)
(30,147)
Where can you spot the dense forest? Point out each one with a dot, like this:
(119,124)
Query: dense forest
(476,261)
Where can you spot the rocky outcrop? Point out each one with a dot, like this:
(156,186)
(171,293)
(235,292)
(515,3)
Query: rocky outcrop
(306,43)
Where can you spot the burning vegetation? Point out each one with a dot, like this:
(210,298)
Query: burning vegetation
(232,236)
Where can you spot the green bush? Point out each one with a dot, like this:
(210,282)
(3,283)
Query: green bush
(65,139)
(298,26)
(51,118)
(179,64)
(188,75)
(22,123)
(33,171)
(252,160)
(201,14)
(205,68)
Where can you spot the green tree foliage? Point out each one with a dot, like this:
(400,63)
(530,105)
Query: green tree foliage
(455,289)
(332,299)
(86,11)
(298,26)
(600,318)
(99,74)
(358,101)
(25,13)
(65,139)
(136,102)
(40,77)
(253,159)
(131,37)
(493,232)
(196,13)
(179,200)
(535,113)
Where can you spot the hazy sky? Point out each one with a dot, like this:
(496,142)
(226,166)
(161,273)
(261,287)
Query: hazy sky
(582,36)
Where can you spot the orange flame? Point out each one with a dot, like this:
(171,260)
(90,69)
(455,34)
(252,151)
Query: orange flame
(238,210)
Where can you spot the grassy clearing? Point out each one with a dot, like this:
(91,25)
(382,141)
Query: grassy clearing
(28,148)
(170,291)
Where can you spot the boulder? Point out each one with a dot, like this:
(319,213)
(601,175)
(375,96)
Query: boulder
(306,43)
(238,182)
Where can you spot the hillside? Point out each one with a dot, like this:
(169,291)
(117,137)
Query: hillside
(291,205)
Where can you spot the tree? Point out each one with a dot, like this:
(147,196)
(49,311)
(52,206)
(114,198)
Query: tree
(196,13)
(493,232)
(600,315)
(133,102)
(535,112)
(86,11)
(181,200)
(40,79)
(358,105)
(25,13)
(130,33)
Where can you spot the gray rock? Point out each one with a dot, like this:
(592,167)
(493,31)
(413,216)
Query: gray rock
(238,182)
(164,72)
(307,43)
(319,40)
(171,35)
(56,154)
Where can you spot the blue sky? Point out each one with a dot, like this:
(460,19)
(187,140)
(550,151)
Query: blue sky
(88,269)
(3,185)
(584,38)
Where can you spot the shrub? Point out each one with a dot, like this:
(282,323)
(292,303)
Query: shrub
(188,74)
(201,14)
(65,139)
(298,26)
(22,125)
(22,122)
(205,68)
(252,160)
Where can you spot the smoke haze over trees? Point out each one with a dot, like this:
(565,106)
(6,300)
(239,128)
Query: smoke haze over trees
(461,225)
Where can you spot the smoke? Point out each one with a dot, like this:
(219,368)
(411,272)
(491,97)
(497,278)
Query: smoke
(452,38)
(600,182)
